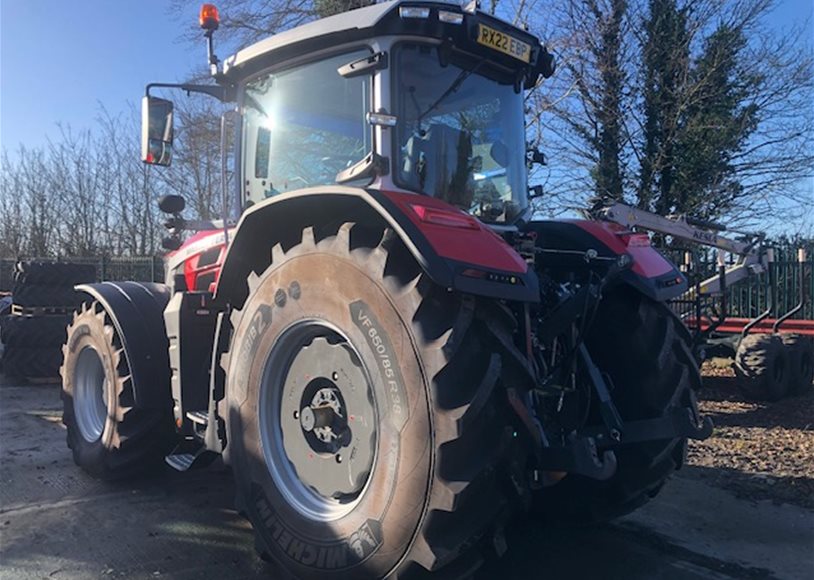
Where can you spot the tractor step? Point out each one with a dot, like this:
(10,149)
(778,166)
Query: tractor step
(198,417)
(184,456)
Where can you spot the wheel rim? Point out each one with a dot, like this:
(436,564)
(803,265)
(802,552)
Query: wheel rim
(90,394)
(318,420)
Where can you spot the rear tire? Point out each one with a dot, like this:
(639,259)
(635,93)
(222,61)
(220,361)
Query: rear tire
(109,436)
(423,456)
(800,351)
(762,367)
(647,353)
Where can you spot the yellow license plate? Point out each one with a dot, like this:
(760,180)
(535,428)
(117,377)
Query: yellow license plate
(497,40)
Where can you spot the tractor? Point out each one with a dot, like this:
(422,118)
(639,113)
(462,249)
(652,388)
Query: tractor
(394,357)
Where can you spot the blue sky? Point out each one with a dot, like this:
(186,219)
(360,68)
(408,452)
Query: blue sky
(59,60)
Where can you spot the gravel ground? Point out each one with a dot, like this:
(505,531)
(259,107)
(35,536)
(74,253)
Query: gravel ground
(758,450)
(58,523)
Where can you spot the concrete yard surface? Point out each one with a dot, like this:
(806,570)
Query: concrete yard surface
(58,523)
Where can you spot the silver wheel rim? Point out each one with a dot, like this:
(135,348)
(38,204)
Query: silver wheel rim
(90,394)
(280,428)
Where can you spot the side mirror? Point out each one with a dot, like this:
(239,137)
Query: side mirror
(171,204)
(156,131)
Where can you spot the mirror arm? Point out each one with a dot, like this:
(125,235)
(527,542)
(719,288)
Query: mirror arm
(224,93)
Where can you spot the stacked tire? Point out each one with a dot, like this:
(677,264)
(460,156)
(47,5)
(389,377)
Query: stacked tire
(49,284)
(43,297)
(770,367)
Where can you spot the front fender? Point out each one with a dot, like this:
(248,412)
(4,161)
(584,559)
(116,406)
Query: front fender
(454,249)
(136,311)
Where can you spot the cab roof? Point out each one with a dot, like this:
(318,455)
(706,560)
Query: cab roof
(346,22)
(347,27)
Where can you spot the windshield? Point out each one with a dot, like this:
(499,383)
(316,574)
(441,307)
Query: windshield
(302,126)
(460,135)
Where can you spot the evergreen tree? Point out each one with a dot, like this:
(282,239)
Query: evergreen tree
(608,175)
(718,123)
(664,64)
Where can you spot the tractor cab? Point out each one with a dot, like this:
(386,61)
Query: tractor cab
(414,97)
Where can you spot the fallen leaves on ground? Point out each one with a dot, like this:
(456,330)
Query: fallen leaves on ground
(758,450)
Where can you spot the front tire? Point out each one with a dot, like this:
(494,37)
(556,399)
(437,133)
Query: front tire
(109,436)
(348,337)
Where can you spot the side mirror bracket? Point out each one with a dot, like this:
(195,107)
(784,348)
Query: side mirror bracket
(535,157)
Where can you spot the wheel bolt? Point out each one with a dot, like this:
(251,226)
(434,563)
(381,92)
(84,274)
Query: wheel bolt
(296,414)
(335,376)
(338,458)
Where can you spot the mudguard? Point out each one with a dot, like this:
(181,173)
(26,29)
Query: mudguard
(453,248)
(136,310)
(651,273)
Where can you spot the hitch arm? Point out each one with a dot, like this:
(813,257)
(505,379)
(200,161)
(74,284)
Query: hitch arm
(678,424)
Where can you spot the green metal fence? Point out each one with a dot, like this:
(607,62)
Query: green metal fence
(137,268)
(750,297)
(746,299)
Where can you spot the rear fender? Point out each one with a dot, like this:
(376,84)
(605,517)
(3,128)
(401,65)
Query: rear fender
(136,311)
(651,273)
(454,249)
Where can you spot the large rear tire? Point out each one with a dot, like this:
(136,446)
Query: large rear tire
(365,430)
(646,351)
(109,436)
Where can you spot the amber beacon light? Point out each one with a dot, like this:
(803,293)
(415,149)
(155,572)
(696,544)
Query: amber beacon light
(209,17)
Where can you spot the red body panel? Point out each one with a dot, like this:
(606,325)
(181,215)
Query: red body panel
(202,255)
(647,262)
(736,325)
(463,238)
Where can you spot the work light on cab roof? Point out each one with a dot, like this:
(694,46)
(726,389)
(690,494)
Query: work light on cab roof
(209,17)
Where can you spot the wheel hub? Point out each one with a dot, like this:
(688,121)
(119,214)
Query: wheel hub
(324,422)
(319,429)
(90,395)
